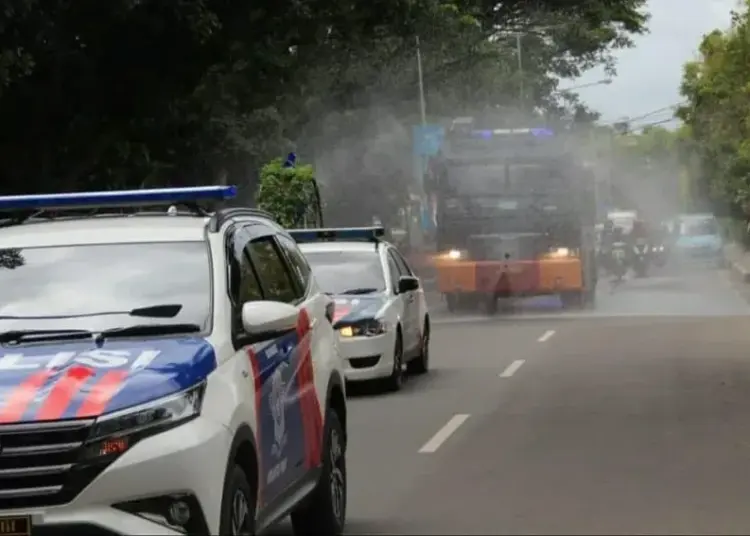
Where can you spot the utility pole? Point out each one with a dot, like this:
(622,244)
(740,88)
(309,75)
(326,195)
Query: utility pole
(521,88)
(422,105)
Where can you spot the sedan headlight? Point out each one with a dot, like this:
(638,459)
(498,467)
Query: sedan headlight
(366,328)
(114,433)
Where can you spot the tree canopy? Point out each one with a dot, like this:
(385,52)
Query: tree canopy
(133,93)
(717,115)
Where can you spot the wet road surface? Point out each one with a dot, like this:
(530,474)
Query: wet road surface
(630,418)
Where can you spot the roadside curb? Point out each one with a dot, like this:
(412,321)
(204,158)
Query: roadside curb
(731,254)
(741,271)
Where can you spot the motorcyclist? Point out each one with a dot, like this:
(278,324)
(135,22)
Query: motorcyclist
(639,230)
(605,243)
(617,252)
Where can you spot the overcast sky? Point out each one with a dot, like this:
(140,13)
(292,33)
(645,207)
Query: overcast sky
(649,74)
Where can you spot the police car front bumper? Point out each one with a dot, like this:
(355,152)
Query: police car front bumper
(367,358)
(186,465)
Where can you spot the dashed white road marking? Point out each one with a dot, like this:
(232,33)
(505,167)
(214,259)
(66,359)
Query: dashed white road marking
(444,433)
(512,368)
(547,335)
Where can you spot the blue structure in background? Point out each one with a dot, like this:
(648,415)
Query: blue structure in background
(426,142)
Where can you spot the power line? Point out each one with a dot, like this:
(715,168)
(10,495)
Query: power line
(645,115)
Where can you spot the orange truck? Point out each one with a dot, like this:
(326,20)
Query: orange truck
(515,217)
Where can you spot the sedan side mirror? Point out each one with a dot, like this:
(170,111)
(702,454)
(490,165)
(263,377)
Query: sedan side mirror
(407,283)
(265,320)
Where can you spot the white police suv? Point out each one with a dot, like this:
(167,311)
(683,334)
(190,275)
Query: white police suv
(164,371)
(381,313)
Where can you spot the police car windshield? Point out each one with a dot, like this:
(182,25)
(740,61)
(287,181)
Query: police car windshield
(699,228)
(340,271)
(88,279)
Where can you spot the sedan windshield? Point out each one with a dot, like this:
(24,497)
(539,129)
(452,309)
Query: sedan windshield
(54,287)
(342,272)
(699,228)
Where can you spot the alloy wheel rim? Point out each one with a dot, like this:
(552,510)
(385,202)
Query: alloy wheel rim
(240,519)
(337,477)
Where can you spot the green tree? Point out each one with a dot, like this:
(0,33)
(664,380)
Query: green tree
(130,93)
(289,192)
(717,116)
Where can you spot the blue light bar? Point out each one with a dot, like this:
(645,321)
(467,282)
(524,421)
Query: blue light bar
(115,198)
(344,233)
(536,132)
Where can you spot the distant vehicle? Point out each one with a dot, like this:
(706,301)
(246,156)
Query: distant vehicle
(380,312)
(699,238)
(515,217)
(624,219)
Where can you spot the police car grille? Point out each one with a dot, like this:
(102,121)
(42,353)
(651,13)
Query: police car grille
(40,463)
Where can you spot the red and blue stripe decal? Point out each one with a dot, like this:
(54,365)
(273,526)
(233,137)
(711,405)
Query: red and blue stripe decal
(289,431)
(69,380)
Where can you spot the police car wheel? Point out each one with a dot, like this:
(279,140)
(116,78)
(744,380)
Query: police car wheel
(238,505)
(324,512)
(396,379)
(421,363)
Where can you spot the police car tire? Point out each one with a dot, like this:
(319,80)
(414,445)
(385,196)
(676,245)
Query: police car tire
(421,363)
(395,381)
(317,516)
(236,482)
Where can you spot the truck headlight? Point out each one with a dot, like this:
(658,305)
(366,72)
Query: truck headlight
(559,253)
(114,433)
(366,328)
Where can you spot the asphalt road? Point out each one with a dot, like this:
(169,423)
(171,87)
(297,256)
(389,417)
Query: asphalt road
(633,418)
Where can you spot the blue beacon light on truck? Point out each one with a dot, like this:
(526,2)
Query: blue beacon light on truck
(121,198)
(344,233)
(536,132)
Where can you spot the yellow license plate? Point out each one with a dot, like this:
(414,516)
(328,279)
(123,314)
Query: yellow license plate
(15,526)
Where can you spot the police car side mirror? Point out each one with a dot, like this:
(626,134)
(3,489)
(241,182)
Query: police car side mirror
(264,320)
(407,283)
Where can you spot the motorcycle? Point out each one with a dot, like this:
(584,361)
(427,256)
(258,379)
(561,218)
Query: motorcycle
(641,259)
(659,255)
(618,260)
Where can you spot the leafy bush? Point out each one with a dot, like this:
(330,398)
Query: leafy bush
(289,193)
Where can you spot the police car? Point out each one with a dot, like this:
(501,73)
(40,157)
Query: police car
(164,372)
(380,309)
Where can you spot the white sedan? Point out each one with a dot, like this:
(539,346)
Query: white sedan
(380,308)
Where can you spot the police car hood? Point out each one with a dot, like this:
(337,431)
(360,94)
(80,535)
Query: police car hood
(78,379)
(350,309)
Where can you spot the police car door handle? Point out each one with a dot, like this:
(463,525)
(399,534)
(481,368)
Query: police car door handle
(330,308)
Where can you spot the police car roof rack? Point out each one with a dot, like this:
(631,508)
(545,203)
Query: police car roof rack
(21,208)
(224,215)
(347,234)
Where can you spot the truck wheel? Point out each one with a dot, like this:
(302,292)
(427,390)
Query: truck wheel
(324,511)
(237,504)
(491,305)
(572,299)
(451,301)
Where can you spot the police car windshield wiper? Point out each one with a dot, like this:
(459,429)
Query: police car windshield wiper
(361,290)
(25,335)
(167,310)
(142,330)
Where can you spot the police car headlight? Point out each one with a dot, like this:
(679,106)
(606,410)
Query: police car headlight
(367,328)
(116,432)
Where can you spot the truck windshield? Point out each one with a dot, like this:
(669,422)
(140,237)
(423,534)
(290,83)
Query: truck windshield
(68,281)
